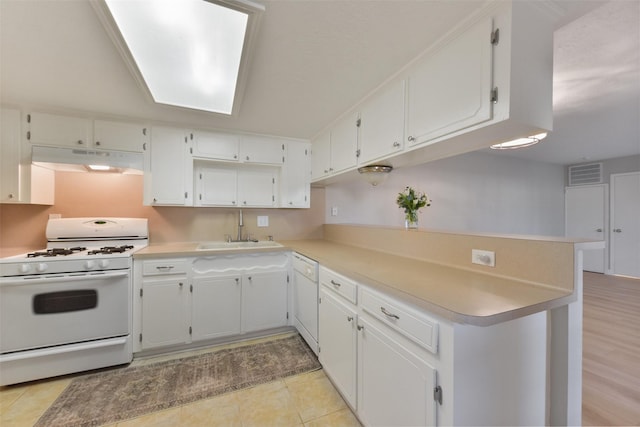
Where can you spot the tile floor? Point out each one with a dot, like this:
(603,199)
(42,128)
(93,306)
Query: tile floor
(308,400)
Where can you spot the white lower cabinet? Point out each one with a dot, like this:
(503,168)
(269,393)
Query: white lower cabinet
(337,335)
(395,384)
(216,303)
(181,301)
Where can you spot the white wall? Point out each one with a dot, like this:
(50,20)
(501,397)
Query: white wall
(475,192)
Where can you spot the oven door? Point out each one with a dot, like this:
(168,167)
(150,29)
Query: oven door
(48,310)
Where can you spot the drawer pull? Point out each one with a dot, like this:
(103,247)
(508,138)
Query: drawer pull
(349,318)
(334,283)
(164,267)
(386,313)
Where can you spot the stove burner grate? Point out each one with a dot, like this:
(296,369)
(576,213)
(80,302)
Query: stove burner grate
(56,252)
(110,250)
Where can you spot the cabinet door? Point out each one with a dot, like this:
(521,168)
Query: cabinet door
(337,339)
(215,307)
(264,300)
(9,156)
(382,124)
(216,146)
(164,312)
(321,156)
(120,136)
(170,168)
(296,176)
(216,186)
(395,386)
(256,187)
(450,89)
(61,131)
(344,143)
(258,149)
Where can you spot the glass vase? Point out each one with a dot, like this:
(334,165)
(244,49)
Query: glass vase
(411,220)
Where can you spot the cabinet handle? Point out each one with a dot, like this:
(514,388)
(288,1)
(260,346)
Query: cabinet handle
(360,327)
(386,313)
(249,278)
(349,318)
(237,280)
(10,195)
(617,230)
(80,142)
(411,138)
(164,267)
(396,144)
(180,284)
(247,157)
(235,156)
(97,142)
(335,283)
(599,230)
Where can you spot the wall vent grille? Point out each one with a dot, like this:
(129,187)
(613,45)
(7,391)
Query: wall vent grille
(585,174)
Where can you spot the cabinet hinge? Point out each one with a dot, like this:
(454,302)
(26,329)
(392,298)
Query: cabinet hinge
(190,150)
(494,95)
(191,288)
(200,196)
(287,278)
(495,36)
(191,136)
(282,159)
(28,118)
(144,146)
(28,135)
(437,394)
(305,152)
(319,300)
(358,152)
(144,131)
(273,180)
(287,315)
(186,194)
(282,147)
(358,122)
(273,198)
(190,330)
(186,139)
(140,293)
(200,176)
(305,198)
(140,338)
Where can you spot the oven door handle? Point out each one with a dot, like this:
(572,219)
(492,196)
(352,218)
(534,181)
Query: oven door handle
(9,281)
(28,354)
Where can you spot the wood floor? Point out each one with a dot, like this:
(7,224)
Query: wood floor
(611,351)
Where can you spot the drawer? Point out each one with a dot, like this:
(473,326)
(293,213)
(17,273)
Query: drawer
(164,266)
(409,322)
(340,284)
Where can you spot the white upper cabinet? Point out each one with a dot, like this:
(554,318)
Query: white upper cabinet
(66,131)
(259,149)
(382,124)
(450,89)
(60,131)
(215,146)
(344,143)
(256,187)
(216,186)
(296,176)
(168,170)
(120,136)
(20,181)
(321,156)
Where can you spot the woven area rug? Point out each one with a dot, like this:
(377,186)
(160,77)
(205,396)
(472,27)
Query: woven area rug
(119,394)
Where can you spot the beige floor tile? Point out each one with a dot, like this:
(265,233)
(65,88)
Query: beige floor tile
(314,395)
(268,405)
(167,418)
(222,411)
(31,404)
(342,418)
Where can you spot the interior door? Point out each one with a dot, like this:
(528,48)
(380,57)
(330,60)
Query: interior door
(585,217)
(625,224)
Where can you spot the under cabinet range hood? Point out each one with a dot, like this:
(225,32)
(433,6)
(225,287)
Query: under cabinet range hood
(85,160)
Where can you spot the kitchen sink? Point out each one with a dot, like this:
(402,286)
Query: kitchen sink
(223,245)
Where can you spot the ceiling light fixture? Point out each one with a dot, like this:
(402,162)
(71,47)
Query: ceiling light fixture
(520,142)
(375,174)
(186,53)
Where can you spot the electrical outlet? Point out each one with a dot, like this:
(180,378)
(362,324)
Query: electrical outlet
(487,258)
(263,221)
(334,211)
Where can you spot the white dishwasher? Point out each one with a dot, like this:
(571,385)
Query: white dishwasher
(305,297)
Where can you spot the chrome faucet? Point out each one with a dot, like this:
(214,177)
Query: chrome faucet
(240,225)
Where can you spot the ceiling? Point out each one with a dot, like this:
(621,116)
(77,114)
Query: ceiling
(315,59)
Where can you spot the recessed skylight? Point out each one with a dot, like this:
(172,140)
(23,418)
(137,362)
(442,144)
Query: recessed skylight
(188,52)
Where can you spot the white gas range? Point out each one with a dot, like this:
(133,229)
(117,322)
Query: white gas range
(67,308)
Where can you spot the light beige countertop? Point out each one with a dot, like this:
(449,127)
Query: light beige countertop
(457,294)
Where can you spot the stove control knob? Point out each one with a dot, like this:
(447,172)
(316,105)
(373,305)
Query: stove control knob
(90,264)
(41,267)
(25,268)
(104,263)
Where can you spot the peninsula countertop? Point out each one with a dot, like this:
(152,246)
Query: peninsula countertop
(457,294)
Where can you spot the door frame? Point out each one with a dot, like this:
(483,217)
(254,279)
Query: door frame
(611,251)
